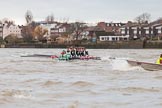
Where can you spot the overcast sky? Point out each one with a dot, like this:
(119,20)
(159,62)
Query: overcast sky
(80,10)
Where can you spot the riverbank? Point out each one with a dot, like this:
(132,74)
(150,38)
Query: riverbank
(101,45)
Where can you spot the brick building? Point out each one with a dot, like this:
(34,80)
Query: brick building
(112,28)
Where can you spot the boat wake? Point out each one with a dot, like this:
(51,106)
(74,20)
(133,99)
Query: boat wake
(107,58)
(21,94)
(122,65)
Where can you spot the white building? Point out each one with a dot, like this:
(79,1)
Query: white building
(48,27)
(159,29)
(113,38)
(11,29)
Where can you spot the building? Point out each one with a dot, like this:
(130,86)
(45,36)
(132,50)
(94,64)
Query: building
(93,32)
(113,38)
(59,29)
(131,29)
(112,28)
(48,27)
(11,30)
(135,30)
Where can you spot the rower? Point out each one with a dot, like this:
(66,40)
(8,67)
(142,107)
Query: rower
(159,61)
(78,52)
(82,52)
(63,53)
(68,55)
(73,53)
(86,53)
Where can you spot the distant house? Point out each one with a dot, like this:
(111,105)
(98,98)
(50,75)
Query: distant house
(112,31)
(112,28)
(158,29)
(48,27)
(11,30)
(93,32)
(54,31)
(135,30)
(54,28)
(59,29)
(131,29)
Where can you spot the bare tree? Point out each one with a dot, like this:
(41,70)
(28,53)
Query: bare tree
(39,32)
(29,17)
(8,21)
(143,18)
(28,31)
(78,28)
(50,18)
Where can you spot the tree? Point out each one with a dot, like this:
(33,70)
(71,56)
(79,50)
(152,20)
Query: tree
(8,22)
(143,18)
(12,39)
(53,37)
(39,32)
(27,33)
(50,18)
(1,40)
(77,28)
(29,17)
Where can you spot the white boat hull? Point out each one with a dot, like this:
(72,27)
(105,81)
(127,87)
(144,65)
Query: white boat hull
(145,65)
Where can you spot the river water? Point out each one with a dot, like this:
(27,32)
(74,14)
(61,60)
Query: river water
(33,82)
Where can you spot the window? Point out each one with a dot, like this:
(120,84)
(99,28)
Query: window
(103,38)
(123,32)
(113,39)
(107,38)
(116,38)
(135,31)
(127,31)
(125,38)
(159,31)
(147,31)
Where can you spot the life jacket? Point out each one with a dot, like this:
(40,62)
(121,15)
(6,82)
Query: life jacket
(159,61)
(68,55)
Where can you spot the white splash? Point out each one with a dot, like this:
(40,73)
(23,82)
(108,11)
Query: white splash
(122,65)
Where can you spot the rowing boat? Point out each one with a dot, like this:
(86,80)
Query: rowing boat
(37,55)
(80,58)
(64,58)
(146,65)
(71,54)
(134,63)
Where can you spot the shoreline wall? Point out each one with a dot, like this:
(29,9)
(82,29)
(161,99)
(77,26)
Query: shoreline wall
(153,44)
(103,45)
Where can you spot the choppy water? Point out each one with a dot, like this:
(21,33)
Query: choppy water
(107,83)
